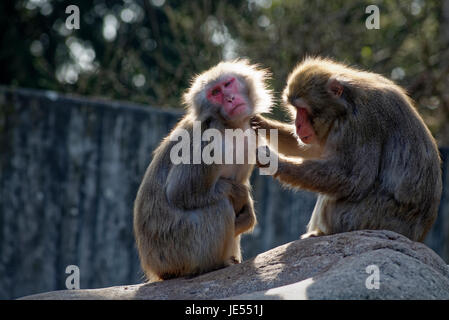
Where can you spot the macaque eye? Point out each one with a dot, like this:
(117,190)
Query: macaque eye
(227,84)
(215,91)
(295,101)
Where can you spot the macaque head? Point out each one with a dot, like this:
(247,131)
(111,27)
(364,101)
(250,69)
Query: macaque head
(231,91)
(315,95)
(231,96)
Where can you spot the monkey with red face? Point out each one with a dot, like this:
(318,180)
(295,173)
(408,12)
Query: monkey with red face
(188,217)
(365,150)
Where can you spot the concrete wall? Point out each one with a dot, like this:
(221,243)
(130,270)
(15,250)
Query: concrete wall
(69,172)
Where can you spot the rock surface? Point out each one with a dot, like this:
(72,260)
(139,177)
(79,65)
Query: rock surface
(328,267)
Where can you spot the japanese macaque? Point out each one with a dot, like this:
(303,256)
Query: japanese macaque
(188,217)
(365,150)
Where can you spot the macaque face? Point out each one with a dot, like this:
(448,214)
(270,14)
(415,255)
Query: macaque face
(230,95)
(304,128)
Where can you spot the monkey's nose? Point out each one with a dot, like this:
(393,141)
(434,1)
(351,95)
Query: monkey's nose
(230,98)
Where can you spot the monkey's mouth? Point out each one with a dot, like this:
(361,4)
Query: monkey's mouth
(235,110)
(306,138)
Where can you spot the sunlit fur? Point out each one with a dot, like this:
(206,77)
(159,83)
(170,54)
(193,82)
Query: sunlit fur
(188,217)
(379,167)
(252,76)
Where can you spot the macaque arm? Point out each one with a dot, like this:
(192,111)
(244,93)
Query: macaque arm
(341,176)
(288,143)
(191,186)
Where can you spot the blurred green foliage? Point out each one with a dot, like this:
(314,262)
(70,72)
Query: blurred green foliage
(147,51)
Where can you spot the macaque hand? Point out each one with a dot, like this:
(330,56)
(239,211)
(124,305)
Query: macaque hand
(264,152)
(245,219)
(258,122)
(239,196)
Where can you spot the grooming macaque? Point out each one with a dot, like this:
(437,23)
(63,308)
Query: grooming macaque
(365,150)
(188,217)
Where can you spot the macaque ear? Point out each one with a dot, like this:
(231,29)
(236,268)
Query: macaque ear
(335,87)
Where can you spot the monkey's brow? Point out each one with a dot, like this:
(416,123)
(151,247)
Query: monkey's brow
(215,82)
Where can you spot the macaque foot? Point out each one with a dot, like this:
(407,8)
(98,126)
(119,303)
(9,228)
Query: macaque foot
(311,234)
(168,276)
(233,260)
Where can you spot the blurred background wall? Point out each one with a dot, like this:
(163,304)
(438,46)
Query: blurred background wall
(71,159)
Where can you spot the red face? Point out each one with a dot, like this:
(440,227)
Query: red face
(229,95)
(304,128)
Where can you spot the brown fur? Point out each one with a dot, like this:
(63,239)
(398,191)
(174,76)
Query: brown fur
(188,217)
(378,165)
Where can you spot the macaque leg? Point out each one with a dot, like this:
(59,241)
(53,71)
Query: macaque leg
(235,255)
(316,226)
(312,233)
(312,227)
(243,207)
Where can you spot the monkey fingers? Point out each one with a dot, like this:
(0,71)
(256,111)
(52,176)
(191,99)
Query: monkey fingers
(238,207)
(257,123)
(239,195)
(244,220)
(263,153)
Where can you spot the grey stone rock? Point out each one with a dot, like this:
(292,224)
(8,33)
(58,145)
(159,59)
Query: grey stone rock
(328,267)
